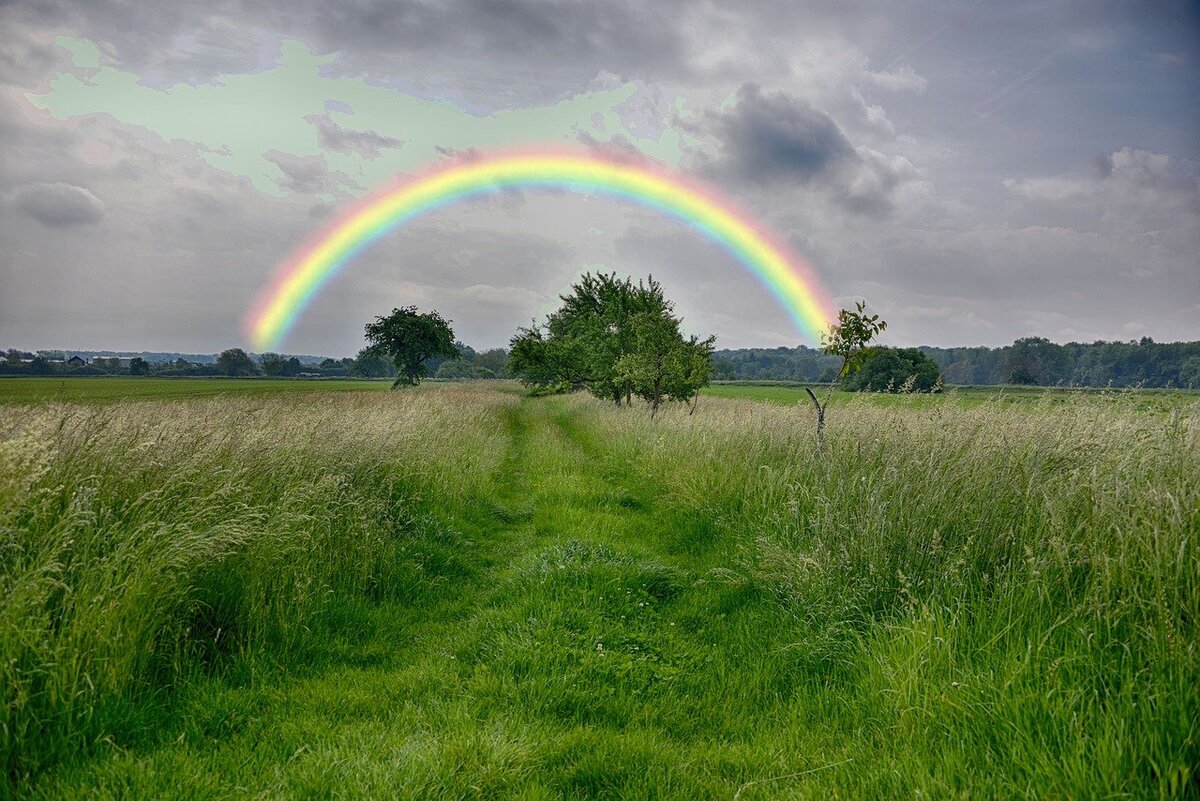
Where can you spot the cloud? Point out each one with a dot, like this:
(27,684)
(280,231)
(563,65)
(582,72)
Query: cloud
(880,177)
(777,140)
(332,136)
(775,137)
(898,79)
(59,204)
(308,174)
(1131,192)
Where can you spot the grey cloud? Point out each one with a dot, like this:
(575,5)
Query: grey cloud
(332,136)
(549,48)
(777,140)
(59,204)
(898,79)
(1131,191)
(775,137)
(617,147)
(851,136)
(308,174)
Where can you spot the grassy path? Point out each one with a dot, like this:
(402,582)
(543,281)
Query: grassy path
(572,645)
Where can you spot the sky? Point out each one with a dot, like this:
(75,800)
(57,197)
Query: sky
(976,171)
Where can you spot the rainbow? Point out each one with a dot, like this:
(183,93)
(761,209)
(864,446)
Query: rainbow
(299,279)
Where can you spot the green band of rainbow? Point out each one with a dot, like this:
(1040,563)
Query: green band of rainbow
(301,278)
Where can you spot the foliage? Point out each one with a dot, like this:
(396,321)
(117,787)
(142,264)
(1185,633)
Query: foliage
(850,336)
(1139,363)
(236,362)
(369,364)
(848,339)
(894,370)
(410,338)
(616,339)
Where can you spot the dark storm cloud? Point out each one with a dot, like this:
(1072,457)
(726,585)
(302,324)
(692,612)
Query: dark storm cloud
(59,204)
(776,137)
(332,136)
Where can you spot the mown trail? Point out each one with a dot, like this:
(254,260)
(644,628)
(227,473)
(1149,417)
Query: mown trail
(573,644)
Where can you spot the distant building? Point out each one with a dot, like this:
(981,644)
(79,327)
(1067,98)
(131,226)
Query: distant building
(75,361)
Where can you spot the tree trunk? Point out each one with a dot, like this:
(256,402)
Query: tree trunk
(820,418)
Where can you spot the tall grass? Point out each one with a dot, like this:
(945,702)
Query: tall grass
(996,599)
(1012,590)
(139,543)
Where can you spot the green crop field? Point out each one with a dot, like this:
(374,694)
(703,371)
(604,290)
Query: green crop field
(459,591)
(106,389)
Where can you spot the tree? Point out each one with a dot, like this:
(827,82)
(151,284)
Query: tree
(272,363)
(894,370)
(661,363)
(138,366)
(236,362)
(848,339)
(410,339)
(494,360)
(542,362)
(372,365)
(455,370)
(616,339)
(292,367)
(1034,360)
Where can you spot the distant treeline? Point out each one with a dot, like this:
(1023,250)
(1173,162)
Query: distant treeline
(1030,361)
(236,362)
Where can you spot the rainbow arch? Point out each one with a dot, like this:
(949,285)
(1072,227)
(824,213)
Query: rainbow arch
(300,279)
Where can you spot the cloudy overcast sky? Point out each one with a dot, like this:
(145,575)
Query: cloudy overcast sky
(977,171)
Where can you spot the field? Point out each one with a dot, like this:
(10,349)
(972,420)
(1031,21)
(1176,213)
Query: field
(462,592)
(105,389)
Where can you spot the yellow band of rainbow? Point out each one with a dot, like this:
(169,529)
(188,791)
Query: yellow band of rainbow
(301,277)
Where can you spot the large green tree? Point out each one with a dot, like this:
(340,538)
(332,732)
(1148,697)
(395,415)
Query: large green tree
(411,338)
(616,339)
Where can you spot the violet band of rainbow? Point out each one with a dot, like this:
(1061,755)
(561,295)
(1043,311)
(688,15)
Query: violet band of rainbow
(786,276)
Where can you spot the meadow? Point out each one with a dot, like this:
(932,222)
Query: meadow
(459,591)
(107,389)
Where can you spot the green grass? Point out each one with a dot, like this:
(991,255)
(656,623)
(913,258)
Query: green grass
(791,394)
(107,389)
(457,592)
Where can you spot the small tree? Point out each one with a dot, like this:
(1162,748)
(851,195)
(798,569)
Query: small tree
(138,366)
(410,338)
(848,338)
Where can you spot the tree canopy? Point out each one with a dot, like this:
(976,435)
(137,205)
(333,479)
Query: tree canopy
(410,338)
(236,362)
(615,339)
(894,370)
